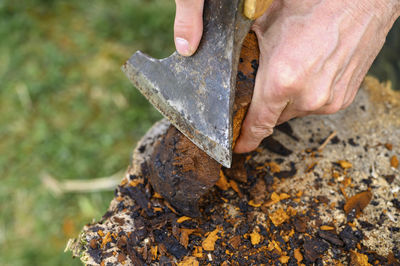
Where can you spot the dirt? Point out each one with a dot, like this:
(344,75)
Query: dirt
(303,201)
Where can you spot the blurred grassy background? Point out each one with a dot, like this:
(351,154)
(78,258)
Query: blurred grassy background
(67,110)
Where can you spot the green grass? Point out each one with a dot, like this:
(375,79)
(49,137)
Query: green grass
(67,110)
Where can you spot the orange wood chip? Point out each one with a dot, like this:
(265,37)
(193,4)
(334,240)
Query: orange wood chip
(154,251)
(184,238)
(327,228)
(284,259)
(278,217)
(189,261)
(124,182)
(297,254)
(275,168)
(100,233)
(136,182)
(256,205)
(222,182)
(345,164)
(388,146)
(209,243)
(235,187)
(106,239)
(358,259)
(182,219)
(157,196)
(275,197)
(274,245)
(394,162)
(284,196)
(358,202)
(255,238)
(198,252)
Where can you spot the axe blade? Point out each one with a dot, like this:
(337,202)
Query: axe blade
(197,93)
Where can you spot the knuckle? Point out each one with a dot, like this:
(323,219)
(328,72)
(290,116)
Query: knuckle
(287,78)
(316,101)
(333,107)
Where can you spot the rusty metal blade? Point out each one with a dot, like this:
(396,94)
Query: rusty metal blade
(196,93)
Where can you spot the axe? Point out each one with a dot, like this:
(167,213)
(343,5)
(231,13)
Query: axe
(205,96)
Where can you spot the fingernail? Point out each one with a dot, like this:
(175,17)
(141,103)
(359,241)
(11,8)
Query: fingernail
(182,46)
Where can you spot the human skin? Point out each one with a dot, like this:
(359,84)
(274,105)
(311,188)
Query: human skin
(314,55)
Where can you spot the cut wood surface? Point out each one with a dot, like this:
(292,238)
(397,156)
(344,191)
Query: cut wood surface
(289,202)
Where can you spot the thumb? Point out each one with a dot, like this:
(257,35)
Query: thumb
(188,26)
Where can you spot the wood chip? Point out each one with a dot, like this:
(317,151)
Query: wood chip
(255,238)
(182,219)
(189,261)
(184,238)
(297,254)
(198,252)
(235,187)
(100,233)
(256,205)
(394,162)
(154,251)
(273,245)
(275,197)
(235,241)
(106,239)
(170,207)
(388,146)
(222,182)
(209,243)
(136,182)
(327,140)
(157,196)
(278,217)
(358,202)
(284,259)
(327,227)
(358,259)
(284,196)
(274,167)
(345,164)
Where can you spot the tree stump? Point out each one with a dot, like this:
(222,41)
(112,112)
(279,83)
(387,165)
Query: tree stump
(321,189)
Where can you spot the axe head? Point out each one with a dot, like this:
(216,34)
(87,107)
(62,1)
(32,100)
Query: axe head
(197,93)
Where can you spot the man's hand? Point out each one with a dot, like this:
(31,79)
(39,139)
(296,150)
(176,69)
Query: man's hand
(314,55)
(188,26)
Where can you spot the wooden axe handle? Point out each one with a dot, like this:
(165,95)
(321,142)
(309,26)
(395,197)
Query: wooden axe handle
(253,9)
(247,69)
